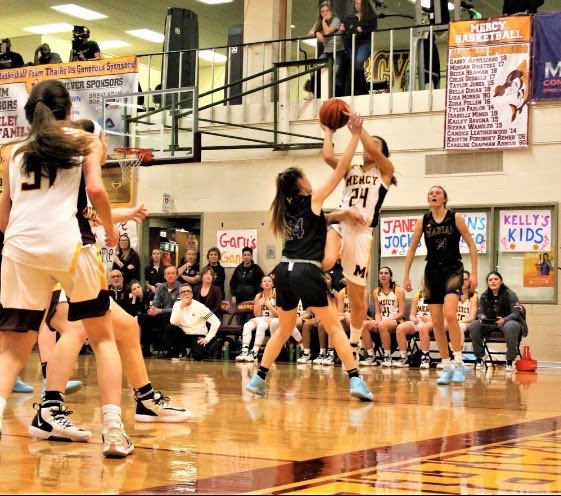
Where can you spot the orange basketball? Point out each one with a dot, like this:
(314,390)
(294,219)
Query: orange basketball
(331,113)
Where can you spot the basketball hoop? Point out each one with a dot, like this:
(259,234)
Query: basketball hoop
(129,159)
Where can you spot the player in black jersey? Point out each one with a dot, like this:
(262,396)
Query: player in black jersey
(444,271)
(298,218)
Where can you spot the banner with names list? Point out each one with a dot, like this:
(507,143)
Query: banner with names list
(488,84)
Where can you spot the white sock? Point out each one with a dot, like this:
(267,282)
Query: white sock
(322,351)
(355,334)
(403,354)
(306,351)
(446,362)
(111,416)
(458,358)
(370,352)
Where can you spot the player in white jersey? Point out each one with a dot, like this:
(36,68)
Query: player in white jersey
(419,322)
(389,304)
(264,309)
(350,236)
(47,240)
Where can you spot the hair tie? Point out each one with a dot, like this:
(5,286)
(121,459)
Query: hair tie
(97,128)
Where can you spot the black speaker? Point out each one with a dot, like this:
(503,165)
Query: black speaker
(181,33)
(234,64)
(444,12)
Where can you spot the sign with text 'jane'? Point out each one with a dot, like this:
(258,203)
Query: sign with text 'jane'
(232,242)
(396,233)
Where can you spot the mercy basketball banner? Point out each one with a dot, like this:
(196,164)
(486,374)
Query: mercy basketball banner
(87,83)
(546,56)
(488,85)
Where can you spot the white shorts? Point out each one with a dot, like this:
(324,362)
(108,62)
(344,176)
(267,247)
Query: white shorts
(356,250)
(26,288)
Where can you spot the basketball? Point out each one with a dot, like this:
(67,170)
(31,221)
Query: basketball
(331,113)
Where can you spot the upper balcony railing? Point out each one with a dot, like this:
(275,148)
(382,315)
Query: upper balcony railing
(262,87)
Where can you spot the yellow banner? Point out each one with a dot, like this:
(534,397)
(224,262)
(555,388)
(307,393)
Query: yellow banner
(500,30)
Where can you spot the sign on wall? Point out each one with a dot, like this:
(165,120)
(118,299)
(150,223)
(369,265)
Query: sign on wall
(231,242)
(488,84)
(546,56)
(87,83)
(525,230)
(396,233)
(538,270)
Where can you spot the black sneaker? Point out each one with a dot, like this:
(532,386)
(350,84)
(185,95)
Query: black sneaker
(51,423)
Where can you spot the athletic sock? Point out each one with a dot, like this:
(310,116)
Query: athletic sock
(111,416)
(355,335)
(144,393)
(458,358)
(353,373)
(262,372)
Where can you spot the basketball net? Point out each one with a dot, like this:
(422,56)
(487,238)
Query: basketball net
(129,161)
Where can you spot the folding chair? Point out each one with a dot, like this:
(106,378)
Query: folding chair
(231,327)
(498,337)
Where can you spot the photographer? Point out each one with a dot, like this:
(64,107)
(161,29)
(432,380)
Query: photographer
(9,59)
(43,55)
(82,47)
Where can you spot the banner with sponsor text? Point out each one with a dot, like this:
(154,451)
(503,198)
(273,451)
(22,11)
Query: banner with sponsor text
(546,56)
(488,84)
(396,233)
(87,82)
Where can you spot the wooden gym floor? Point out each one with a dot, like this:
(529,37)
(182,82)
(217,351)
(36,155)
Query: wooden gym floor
(498,433)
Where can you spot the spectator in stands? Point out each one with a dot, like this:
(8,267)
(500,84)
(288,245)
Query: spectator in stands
(213,256)
(9,59)
(160,309)
(499,310)
(419,322)
(188,326)
(245,281)
(138,300)
(126,260)
(389,303)
(189,272)
(85,49)
(43,55)
(118,290)
(361,24)
(207,292)
(154,273)
(324,30)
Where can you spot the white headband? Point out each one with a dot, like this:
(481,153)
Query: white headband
(97,128)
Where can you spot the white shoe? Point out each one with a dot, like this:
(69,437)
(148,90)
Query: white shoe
(251,356)
(242,356)
(402,363)
(320,358)
(425,361)
(51,423)
(440,366)
(329,359)
(116,443)
(369,361)
(306,357)
(158,409)
(387,361)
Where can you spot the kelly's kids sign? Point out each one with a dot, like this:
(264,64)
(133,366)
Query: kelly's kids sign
(396,233)
(525,230)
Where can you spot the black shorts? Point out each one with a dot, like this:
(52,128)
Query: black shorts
(304,282)
(440,281)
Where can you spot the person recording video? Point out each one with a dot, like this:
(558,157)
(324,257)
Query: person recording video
(82,47)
